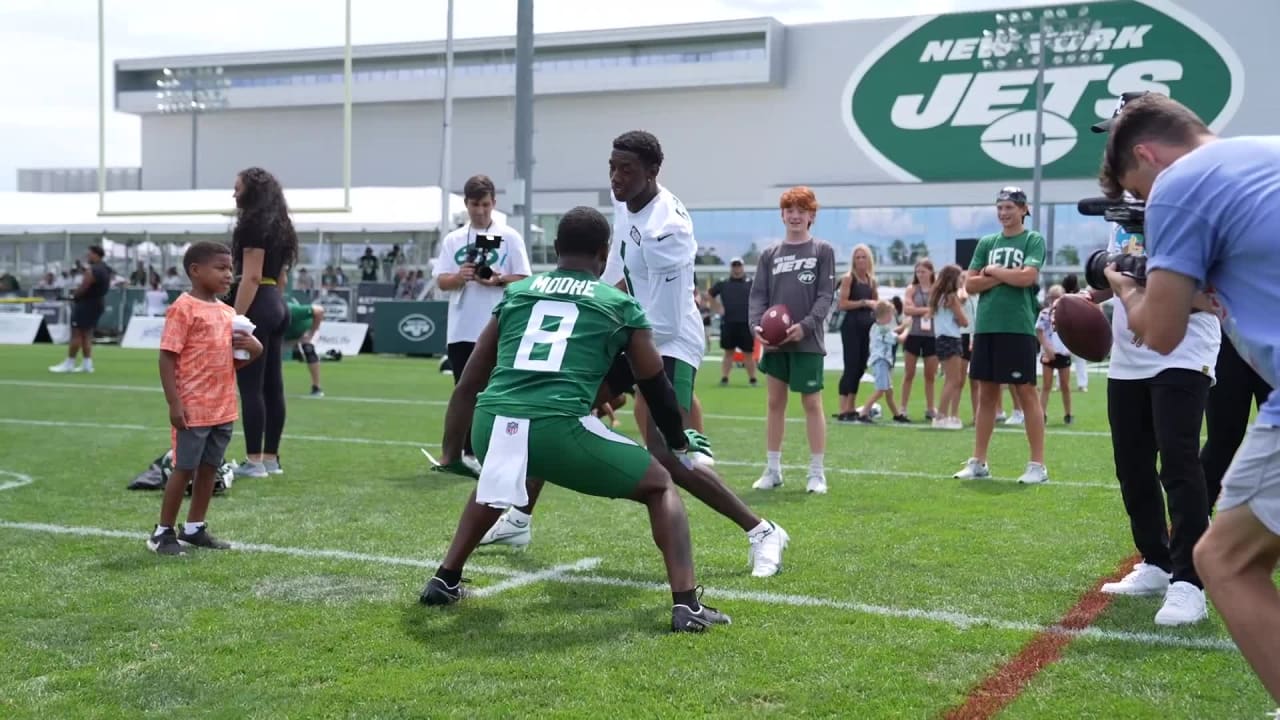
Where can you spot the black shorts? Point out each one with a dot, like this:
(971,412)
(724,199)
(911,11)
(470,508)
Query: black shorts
(459,353)
(921,345)
(1005,358)
(86,313)
(737,336)
(1059,362)
(620,378)
(949,347)
(966,349)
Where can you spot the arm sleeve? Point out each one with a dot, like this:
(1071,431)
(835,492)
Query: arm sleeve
(816,322)
(1034,256)
(517,255)
(173,338)
(445,262)
(1180,241)
(758,299)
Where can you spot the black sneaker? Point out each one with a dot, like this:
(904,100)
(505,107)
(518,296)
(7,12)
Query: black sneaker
(1068,419)
(166,543)
(930,415)
(203,539)
(683,619)
(724,381)
(752,382)
(902,418)
(437,592)
(864,419)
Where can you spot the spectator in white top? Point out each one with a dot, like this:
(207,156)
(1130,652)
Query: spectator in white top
(304,281)
(173,280)
(472,297)
(1054,356)
(157,298)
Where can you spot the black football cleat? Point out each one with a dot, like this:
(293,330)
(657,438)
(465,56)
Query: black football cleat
(437,592)
(683,619)
(202,538)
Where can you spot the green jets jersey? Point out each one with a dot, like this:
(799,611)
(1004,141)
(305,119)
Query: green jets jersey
(1005,308)
(558,334)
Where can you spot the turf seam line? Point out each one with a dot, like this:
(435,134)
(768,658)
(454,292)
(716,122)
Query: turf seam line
(568,574)
(1003,686)
(418,444)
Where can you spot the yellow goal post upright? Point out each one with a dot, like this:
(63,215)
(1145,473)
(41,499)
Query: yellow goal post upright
(102,133)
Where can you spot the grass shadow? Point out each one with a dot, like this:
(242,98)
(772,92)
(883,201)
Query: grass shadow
(993,487)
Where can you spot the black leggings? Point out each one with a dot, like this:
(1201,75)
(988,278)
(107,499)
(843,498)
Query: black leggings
(856,339)
(1227,415)
(262,381)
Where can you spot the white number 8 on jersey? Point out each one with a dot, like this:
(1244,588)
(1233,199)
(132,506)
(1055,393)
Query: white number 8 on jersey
(536,337)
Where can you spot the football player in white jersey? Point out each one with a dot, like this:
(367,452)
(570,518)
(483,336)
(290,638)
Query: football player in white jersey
(652,257)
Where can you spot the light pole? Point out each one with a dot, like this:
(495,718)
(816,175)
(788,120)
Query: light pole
(192,90)
(1026,38)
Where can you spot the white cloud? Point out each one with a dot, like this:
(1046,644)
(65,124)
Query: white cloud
(885,222)
(968,218)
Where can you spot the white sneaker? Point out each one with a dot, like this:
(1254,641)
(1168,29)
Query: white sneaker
(61,368)
(1035,474)
(508,532)
(1001,417)
(765,553)
(954,423)
(1184,604)
(250,469)
(472,462)
(1016,418)
(939,423)
(1143,580)
(769,480)
(817,483)
(973,470)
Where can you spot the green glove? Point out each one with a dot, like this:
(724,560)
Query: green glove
(697,452)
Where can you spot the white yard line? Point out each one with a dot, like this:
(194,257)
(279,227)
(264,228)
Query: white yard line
(18,480)
(873,472)
(443,403)
(568,574)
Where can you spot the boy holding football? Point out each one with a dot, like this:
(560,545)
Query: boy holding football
(198,374)
(798,272)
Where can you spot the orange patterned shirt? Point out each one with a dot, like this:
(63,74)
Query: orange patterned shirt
(199,333)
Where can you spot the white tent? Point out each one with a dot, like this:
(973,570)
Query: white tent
(373,210)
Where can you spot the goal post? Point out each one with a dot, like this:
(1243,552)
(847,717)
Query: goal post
(102,132)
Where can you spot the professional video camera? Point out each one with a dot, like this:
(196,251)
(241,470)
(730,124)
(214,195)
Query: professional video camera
(478,254)
(1130,215)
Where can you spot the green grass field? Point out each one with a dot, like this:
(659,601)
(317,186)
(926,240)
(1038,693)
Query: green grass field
(901,591)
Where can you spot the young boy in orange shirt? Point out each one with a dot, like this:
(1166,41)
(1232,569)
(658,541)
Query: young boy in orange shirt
(198,373)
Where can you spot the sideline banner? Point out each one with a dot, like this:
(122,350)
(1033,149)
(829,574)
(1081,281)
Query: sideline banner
(345,337)
(409,328)
(143,333)
(18,328)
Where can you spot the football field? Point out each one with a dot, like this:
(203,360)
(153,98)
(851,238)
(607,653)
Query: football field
(904,593)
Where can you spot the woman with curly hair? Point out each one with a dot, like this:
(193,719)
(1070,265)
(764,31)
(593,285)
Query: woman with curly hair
(263,247)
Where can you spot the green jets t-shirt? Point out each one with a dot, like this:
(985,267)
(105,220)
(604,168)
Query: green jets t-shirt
(1005,308)
(558,334)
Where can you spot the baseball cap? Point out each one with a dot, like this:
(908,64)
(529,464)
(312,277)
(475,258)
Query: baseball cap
(1013,194)
(736,261)
(1125,98)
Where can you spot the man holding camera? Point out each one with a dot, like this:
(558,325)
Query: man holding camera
(475,263)
(1213,206)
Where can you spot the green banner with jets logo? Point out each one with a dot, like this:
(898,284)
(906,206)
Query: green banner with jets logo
(941,101)
(410,328)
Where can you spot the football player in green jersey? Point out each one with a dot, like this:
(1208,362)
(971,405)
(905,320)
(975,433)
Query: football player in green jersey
(540,363)
(304,321)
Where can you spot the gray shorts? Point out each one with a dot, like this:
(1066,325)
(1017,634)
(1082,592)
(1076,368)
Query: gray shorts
(1254,477)
(883,374)
(200,446)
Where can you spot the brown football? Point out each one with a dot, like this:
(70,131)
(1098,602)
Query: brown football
(1083,327)
(774,324)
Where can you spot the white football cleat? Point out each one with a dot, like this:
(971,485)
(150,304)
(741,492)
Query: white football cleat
(973,470)
(1035,474)
(817,484)
(508,532)
(61,368)
(765,554)
(1144,579)
(1184,604)
(769,480)
(1016,418)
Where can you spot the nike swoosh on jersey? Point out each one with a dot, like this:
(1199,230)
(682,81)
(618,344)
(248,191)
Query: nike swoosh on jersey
(673,277)
(660,238)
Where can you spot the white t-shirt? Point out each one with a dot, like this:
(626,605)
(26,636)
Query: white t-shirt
(157,301)
(1198,351)
(1044,323)
(471,306)
(654,251)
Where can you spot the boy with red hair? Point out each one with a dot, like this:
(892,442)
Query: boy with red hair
(798,272)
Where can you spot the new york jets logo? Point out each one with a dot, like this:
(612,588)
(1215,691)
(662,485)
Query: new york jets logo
(807,277)
(416,327)
(938,88)
(461,256)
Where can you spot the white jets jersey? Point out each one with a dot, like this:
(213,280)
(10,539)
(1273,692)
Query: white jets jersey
(654,251)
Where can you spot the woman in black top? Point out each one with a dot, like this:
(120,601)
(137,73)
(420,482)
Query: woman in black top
(857,297)
(264,245)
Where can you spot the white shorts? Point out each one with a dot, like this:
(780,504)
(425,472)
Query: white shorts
(1254,477)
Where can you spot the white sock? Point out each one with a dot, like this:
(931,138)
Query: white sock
(815,463)
(88,363)
(191,528)
(68,363)
(515,517)
(773,460)
(160,529)
(764,527)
